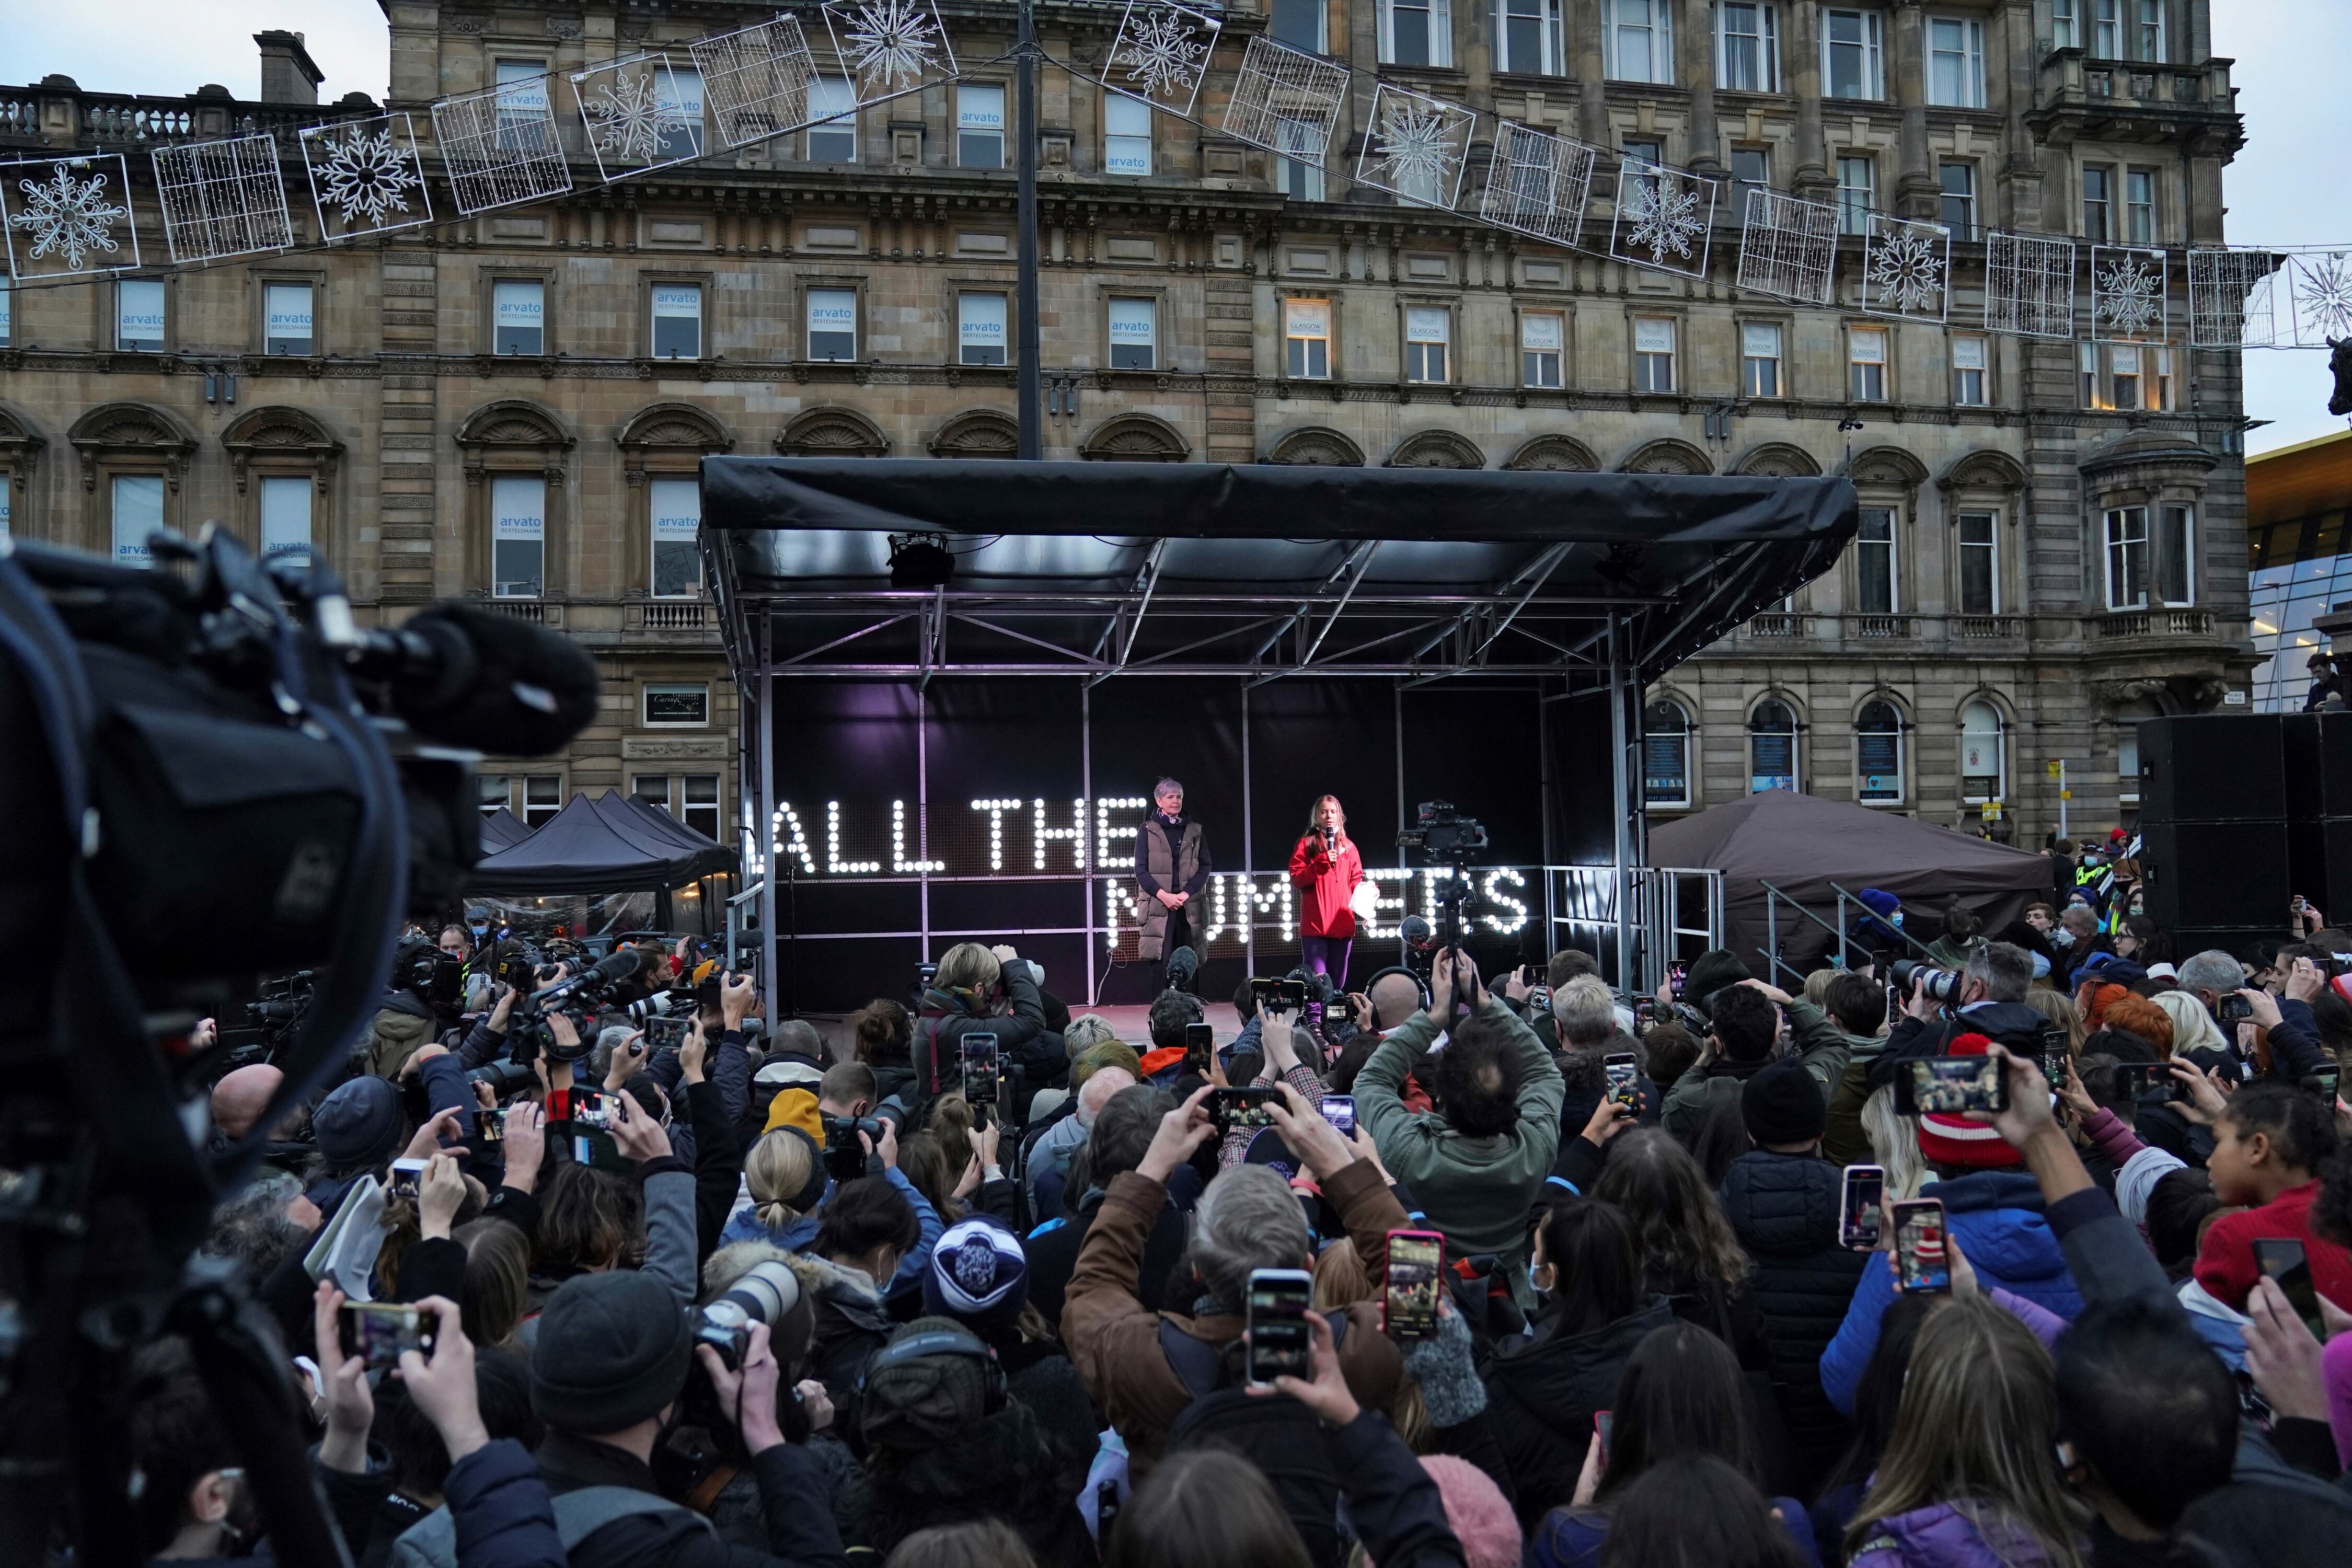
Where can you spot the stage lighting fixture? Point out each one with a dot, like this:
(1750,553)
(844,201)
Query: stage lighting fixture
(920,560)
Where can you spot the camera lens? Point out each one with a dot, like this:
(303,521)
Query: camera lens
(765,1293)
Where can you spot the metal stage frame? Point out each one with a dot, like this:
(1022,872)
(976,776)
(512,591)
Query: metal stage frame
(1582,586)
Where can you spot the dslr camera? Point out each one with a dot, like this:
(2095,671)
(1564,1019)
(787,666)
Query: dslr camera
(1934,983)
(1442,833)
(844,1156)
(763,1295)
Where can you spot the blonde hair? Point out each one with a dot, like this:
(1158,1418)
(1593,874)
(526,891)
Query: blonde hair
(1975,1430)
(1316,810)
(778,1166)
(1340,1277)
(1085,1031)
(1894,1140)
(968,965)
(1817,985)
(2059,1008)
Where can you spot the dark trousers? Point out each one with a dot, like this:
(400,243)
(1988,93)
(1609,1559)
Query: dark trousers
(1181,930)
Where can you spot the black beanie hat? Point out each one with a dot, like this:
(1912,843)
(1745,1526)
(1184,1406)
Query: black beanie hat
(1710,971)
(1782,1104)
(612,1349)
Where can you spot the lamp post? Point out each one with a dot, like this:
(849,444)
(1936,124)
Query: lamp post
(1031,441)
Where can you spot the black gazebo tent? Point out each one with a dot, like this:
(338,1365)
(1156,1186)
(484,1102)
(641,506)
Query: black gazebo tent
(598,846)
(1583,586)
(502,830)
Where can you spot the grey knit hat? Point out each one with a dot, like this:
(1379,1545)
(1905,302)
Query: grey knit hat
(613,1349)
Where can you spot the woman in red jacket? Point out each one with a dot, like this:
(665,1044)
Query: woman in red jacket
(1328,870)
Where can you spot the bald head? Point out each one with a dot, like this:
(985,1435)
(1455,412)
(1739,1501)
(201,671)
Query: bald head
(1098,1090)
(240,1097)
(1394,998)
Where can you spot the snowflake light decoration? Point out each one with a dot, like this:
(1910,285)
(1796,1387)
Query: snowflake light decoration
(1662,218)
(1418,149)
(2129,295)
(67,216)
(890,46)
(1905,268)
(368,173)
(1161,55)
(637,117)
(2323,298)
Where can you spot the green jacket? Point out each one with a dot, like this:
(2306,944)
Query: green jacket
(1820,1046)
(1845,1144)
(1476,1190)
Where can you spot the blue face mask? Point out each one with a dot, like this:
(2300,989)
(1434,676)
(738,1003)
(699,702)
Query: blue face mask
(479,931)
(2062,937)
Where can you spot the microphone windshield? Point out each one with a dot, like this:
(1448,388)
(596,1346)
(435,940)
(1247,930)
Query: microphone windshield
(622,965)
(504,685)
(1183,967)
(1415,932)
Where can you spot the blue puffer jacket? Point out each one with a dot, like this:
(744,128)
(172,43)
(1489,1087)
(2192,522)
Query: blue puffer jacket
(1996,1217)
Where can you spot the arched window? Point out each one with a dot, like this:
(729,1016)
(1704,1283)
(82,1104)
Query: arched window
(1665,755)
(1878,754)
(1771,746)
(1984,754)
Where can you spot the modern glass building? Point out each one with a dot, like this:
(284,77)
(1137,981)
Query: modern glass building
(2297,500)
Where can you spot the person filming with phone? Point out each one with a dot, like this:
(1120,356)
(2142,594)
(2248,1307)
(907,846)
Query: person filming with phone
(1327,869)
(980,994)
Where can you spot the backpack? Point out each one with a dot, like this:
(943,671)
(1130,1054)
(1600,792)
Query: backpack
(432,1542)
(1279,1435)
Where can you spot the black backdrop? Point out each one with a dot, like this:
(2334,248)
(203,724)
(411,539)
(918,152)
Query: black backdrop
(857,742)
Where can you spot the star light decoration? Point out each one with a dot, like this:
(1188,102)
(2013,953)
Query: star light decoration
(1418,149)
(2129,295)
(891,47)
(365,176)
(65,216)
(1906,268)
(2323,298)
(1161,55)
(1662,218)
(636,117)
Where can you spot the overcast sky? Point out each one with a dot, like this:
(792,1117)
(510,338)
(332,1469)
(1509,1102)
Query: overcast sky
(2287,187)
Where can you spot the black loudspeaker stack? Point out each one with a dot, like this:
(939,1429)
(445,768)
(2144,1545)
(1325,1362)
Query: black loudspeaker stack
(2239,813)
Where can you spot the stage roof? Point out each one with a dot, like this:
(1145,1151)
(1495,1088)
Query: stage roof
(1101,569)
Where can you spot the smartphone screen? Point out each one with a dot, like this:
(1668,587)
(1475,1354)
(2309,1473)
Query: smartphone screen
(2284,1260)
(1199,1047)
(1950,1085)
(407,1177)
(1920,1256)
(1280,1342)
(2323,1085)
(1602,1423)
(1623,1073)
(1408,1305)
(980,1066)
(1863,1187)
(1339,1111)
(1243,1107)
(377,1331)
(1676,974)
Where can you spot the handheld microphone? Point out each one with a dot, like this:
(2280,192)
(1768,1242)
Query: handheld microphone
(476,679)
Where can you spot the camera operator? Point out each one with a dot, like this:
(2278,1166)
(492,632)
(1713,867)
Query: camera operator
(422,1002)
(990,989)
(2290,1033)
(1745,1020)
(1987,998)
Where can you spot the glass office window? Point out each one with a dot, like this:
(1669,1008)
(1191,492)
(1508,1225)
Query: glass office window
(286,516)
(285,325)
(674,510)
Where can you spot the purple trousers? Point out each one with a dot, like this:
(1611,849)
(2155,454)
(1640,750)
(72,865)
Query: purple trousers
(1325,955)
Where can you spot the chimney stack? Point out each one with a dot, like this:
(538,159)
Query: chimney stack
(288,74)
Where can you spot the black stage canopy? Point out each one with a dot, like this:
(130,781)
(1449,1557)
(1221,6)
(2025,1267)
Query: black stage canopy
(605,846)
(1096,569)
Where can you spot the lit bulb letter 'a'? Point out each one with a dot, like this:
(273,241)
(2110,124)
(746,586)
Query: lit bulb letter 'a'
(833,860)
(795,842)
(899,861)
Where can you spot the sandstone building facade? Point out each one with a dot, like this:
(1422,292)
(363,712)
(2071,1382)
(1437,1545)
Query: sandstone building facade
(508,406)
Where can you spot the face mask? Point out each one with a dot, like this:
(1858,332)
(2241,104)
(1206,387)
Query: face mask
(2062,937)
(479,931)
(1898,920)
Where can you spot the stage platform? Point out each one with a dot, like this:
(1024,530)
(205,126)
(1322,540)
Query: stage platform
(1129,1021)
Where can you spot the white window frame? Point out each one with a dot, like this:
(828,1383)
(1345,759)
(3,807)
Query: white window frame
(1883,796)
(493,793)
(1417,336)
(2147,40)
(128,526)
(809,328)
(1966,549)
(1967,394)
(2065,29)
(666,499)
(2000,733)
(1871,50)
(1306,344)
(1319,44)
(2106,39)
(1684,737)
(651,788)
(539,804)
(1123,142)
(2177,521)
(285,500)
(1750,379)
(672,689)
(123,296)
(503,289)
(1967,53)
(1945,195)
(970,103)
(1301,178)
(1540,366)
(7,311)
(1795,776)
(1766,39)
(1890,546)
(1439,23)
(839,94)
(1550,49)
(270,292)
(1658,24)
(1151,313)
(1858,365)
(1003,347)
(655,316)
(2124,532)
(690,785)
(2106,232)
(2136,232)
(1647,363)
(1853,216)
(517,485)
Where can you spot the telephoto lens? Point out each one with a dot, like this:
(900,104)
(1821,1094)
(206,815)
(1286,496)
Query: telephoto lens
(766,1294)
(1934,983)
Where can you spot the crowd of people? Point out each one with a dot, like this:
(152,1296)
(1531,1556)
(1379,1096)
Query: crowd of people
(735,1293)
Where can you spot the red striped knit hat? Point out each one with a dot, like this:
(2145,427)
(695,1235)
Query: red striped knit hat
(1957,1141)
